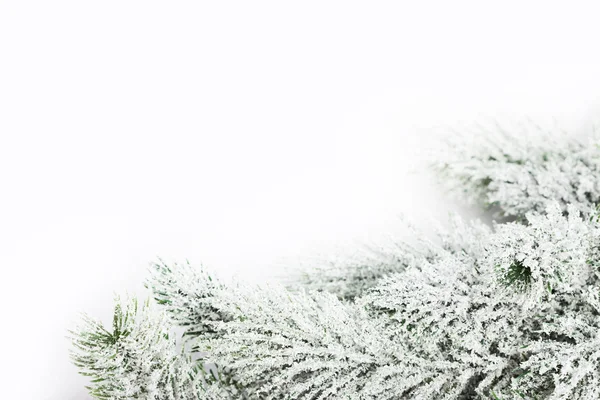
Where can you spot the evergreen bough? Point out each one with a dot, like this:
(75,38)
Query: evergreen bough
(510,311)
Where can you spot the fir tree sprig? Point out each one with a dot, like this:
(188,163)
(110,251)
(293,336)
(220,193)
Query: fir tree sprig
(137,358)
(510,311)
(522,168)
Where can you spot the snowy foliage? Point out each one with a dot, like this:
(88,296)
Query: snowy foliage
(138,358)
(523,169)
(349,276)
(510,311)
(283,345)
(499,325)
(551,252)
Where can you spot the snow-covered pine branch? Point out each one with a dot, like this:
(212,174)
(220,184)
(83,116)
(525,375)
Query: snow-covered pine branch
(137,358)
(284,345)
(457,326)
(505,327)
(504,312)
(350,275)
(522,168)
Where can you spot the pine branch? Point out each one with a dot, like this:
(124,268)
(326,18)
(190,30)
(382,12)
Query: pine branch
(551,251)
(187,296)
(137,359)
(528,297)
(350,276)
(282,345)
(505,313)
(521,170)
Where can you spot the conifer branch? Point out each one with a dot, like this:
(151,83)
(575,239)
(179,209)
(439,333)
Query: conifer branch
(522,169)
(137,358)
(510,311)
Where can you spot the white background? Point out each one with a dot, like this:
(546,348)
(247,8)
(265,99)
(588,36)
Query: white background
(238,135)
